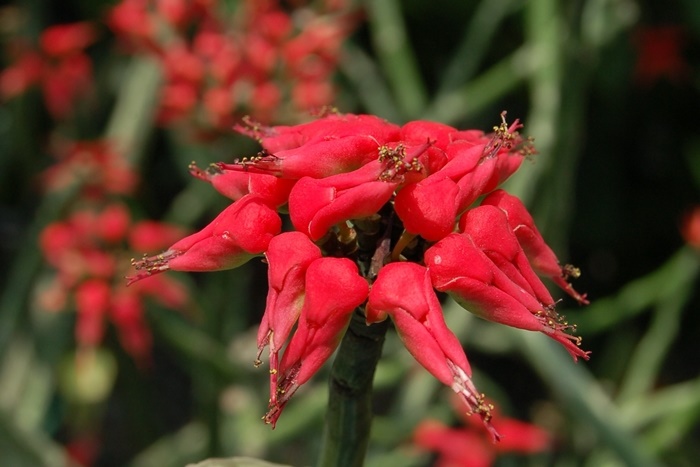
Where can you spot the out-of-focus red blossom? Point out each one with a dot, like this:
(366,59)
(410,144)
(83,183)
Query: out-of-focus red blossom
(59,66)
(96,165)
(376,204)
(152,235)
(471,446)
(690,227)
(660,54)
(67,39)
(24,73)
(132,21)
(85,249)
(83,449)
(220,66)
(92,299)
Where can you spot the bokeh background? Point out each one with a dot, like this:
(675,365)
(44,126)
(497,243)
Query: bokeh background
(107,117)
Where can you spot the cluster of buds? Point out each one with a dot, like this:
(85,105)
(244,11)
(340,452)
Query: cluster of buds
(219,63)
(58,65)
(86,251)
(383,216)
(96,166)
(87,247)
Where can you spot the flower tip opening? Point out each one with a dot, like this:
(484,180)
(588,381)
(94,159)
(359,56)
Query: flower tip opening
(569,271)
(150,265)
(263,162)
(485,411)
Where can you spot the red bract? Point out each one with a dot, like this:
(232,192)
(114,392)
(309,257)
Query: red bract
(316,205)
(316,159)
(461,269)
(488,228)
(288,255)
(272,190)
(404,292)
(330,127)
(333,290)
(542,258)
(430,207)
(240,232)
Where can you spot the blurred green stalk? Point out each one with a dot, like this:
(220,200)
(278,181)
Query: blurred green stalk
(396,57)
(349,416)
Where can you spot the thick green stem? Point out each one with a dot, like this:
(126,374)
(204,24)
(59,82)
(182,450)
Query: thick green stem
(349,416)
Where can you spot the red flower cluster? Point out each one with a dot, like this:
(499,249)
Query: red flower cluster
(86,249)
(252,61)
(59,66)
(95,165)
(354,185)
(470,446)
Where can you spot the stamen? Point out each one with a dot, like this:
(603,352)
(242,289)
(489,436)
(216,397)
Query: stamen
(201,174)
(504,137)
(397,163)
(151,265)
(262,162)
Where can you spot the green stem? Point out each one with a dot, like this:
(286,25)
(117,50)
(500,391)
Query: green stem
(349,416)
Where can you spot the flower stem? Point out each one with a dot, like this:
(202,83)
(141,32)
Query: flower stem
(349,416)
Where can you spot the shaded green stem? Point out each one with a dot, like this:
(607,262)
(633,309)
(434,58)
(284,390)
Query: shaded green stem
(349,416)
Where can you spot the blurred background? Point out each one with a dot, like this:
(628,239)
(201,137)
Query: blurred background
(105,104)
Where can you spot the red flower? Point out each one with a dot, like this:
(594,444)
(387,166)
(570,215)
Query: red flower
(317,160)
(660,54)
(333,289)
(431,206)
(316,205)
(542,258)
(331,127)
(488,228)
(95,164)
(288,255)
(239,233)
(460,268)
(272,190)
(404,292)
